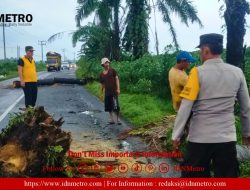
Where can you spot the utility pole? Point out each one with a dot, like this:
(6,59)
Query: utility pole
(4,48)
(74,57)
(42,43)
(18,52)
(63,50)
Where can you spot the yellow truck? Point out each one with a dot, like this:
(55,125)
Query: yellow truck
(54,61)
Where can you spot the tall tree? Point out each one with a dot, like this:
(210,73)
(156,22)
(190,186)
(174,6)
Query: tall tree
(135,38)
(156,34)
(95,41)
(107,13)
(136,35)
(234,16)
(116,30)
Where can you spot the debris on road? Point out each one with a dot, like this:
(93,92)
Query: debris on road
(34,145)
(155,134)
(43,82)
(32,140)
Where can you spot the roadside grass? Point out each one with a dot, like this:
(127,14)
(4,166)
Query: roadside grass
(245,169)
(139,109)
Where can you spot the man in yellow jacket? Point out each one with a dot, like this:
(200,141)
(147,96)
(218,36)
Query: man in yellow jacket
(28,76)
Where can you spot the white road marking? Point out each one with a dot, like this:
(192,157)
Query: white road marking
(10,108)
(18,100)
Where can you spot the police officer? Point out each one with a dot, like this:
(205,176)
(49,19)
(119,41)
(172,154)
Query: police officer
(210,95)
(28,76)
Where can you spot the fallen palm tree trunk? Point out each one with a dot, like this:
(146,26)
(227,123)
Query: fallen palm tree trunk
(17,84)
(31,141)
(69,81)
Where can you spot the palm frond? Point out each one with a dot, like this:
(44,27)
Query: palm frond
(59,35)
(176,7)
(184,9)
(85,8)
(104,13)
(191,12)
(166,18)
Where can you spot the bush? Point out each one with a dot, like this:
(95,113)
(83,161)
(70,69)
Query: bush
(148,74)
(6,66)
(143,86)
(88,69)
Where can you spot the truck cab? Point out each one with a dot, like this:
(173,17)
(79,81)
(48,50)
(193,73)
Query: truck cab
(53,61)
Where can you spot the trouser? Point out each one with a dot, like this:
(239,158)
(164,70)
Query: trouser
(222,157)
(111,104)
(30,93)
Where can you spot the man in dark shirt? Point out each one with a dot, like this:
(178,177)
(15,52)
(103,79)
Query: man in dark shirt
(110,82)
(28,76)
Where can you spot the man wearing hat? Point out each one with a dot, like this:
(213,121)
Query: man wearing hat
(110,83)
(178,78)
(28,76)
(210,95)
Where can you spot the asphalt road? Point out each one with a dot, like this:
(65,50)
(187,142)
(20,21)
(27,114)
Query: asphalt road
(85,119)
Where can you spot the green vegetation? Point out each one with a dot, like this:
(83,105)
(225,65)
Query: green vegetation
(147,75)
(15,118)
(134,109)
(51,155)
(8,68)
(127,31)
(245,169)
(142,80)
(145,80)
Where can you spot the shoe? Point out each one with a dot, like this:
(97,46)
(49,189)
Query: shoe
(22,109)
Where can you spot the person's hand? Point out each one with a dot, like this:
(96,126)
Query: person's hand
(118,92)
(246,141)
(176,144)
(22,84)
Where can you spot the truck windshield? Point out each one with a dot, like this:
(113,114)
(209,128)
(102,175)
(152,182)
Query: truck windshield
(51,61)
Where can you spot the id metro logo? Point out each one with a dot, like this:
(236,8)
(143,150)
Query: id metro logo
(16,19)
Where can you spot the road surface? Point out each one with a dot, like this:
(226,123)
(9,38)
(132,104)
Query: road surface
(84,118)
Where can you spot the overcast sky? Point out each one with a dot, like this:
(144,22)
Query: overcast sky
(53,16)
